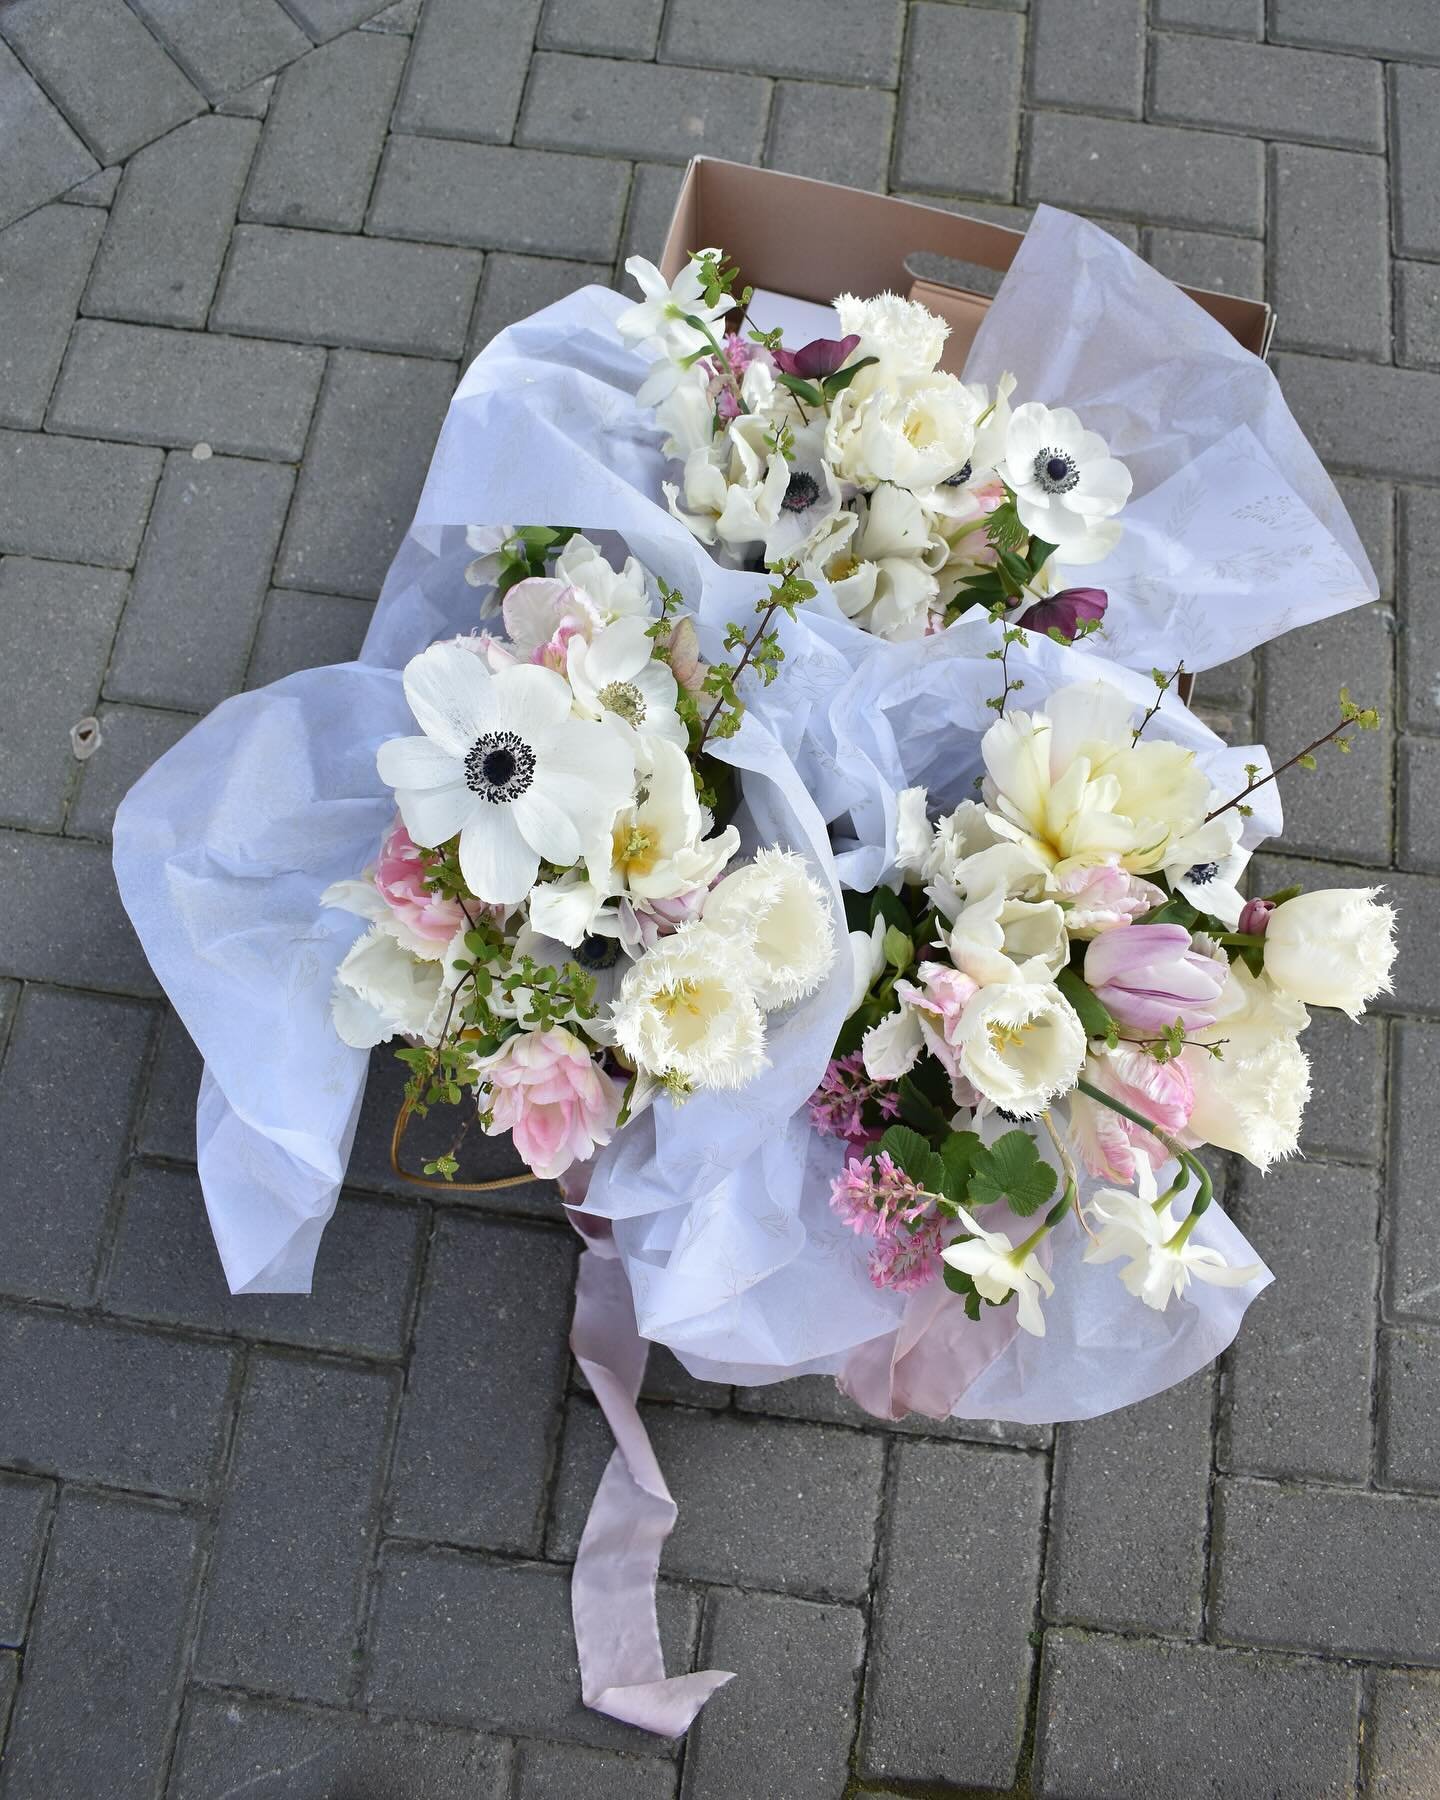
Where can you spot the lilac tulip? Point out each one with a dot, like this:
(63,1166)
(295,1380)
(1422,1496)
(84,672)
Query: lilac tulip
(818,358)
(1065,611)
(1147,977)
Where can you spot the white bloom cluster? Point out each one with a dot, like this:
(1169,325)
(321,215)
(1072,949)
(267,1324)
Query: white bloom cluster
(863,461)
(555,899)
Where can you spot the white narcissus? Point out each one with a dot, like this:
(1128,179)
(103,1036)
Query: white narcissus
(616,676)
(780,914)
(999,1269)
(686,1012)
(1333,947)
(1067,485)
(1250,1099)
(659,317)
(1159,1266)
(506,766)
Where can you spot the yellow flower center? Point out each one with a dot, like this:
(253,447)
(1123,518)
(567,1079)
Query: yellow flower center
(1006,1037)
(635,850)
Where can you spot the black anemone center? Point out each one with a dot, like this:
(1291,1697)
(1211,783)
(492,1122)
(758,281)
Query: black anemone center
(801,493)
(959,478)
(499,767)
(1200,873)
(596,952)
(1056,471)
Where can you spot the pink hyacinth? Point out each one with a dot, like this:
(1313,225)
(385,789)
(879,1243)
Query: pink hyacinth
(1162,1092)
(547,1091)
(878,1200)
(400,877)
(1148,977)
(837,1105)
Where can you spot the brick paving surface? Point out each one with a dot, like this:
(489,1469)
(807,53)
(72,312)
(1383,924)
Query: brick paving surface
(317,1548)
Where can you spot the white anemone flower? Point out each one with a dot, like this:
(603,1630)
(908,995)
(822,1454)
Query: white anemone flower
(659,317)
(616,676)
(998,1268)
(504,764)
(658,850)
(811,497)
(1159,1267)
(687,1014)
(780,913)
(1206,866)
(1067,484)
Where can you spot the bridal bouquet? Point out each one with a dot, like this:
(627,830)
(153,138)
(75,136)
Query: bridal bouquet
(1063,976)
(915,495)
(559,928)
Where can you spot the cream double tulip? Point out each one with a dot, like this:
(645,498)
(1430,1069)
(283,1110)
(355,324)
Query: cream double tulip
(1334,947)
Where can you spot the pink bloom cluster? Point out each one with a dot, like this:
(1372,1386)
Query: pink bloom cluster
(876,1199)
(837,1105)
(546,1089)
(400,877)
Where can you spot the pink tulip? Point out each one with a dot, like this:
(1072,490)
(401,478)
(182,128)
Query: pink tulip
(938,1002)
(1255,916)
(548,1092)
(1147,977)
(400,877)
(1162,1092)
(1103,897)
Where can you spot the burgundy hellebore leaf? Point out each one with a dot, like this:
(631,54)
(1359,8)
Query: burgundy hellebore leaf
(818,358)
(1066,610)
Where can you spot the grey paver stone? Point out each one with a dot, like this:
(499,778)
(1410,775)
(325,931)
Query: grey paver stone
(1163,173)
(752,1737)
(1342,808)
(96,190)
(323,133)
(1413,1264)
(1089,55)
(57,622)
(831,133)
(1371,506)
(167,1122)
(182,388)
(42,155)
(364,293)
(1420,617)
(1410,1410)
(328,18)
(104,71)
(1124,1552)
(1407,33)
(513,287)
(165,1269)
(466,83)
(1208,259)
(963,1531)
(1344,1116)
(9,1681)
(99,1403)
(1418,774)
(170,224)
(200,582)
(498,198)
(1348,411)
(1326,1569)
(490,1344)
(1260,88)
(105,1656)
(1417,308)
(296,1530)
(1122,1719)
(63,1109)
(1402,1742)
(647,218)
(1231,18)
(252,102)
(401,18)
(655,110)
(817,1397)
(762,1503)
(44,260)
(61,918)
(1300,1396)
(24,1522)
(131,739)
(559,1771)
(467,1640)
(375,427)
(822,40)
(1331,289)
(302,1752)
(305,631)
(959,102)
(1415,125)
(74,500)
(601,27)
(225,45)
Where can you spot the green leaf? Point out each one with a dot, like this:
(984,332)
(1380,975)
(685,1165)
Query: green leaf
(958,1154)
(837,382)
(888,906)
(801,389)
(1040,554)
(1094,1016)
(959,1282)
(1011,1169)
(899,951)
(917,1109)
(908,1151)
(1177,910)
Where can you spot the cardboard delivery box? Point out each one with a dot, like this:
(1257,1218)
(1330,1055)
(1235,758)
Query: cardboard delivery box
(767,224)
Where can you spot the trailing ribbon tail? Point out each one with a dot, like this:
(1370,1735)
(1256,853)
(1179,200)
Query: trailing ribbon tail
(612,1594)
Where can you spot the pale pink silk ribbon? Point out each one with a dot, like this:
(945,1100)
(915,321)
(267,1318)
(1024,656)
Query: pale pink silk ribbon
(612,1592)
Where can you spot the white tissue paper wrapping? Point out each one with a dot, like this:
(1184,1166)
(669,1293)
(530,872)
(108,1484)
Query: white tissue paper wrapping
(224,848)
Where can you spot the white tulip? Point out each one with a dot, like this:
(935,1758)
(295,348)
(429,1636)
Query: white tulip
(867,959)
(892,1048)
(687,1014)
(1334,947)
(1251,1098)
(780,914)
(383,991)
(1020,1045)
(907,339)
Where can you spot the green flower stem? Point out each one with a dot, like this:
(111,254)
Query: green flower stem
(1183,1156)
(1048,1223)
(725,363)
(1246,939)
